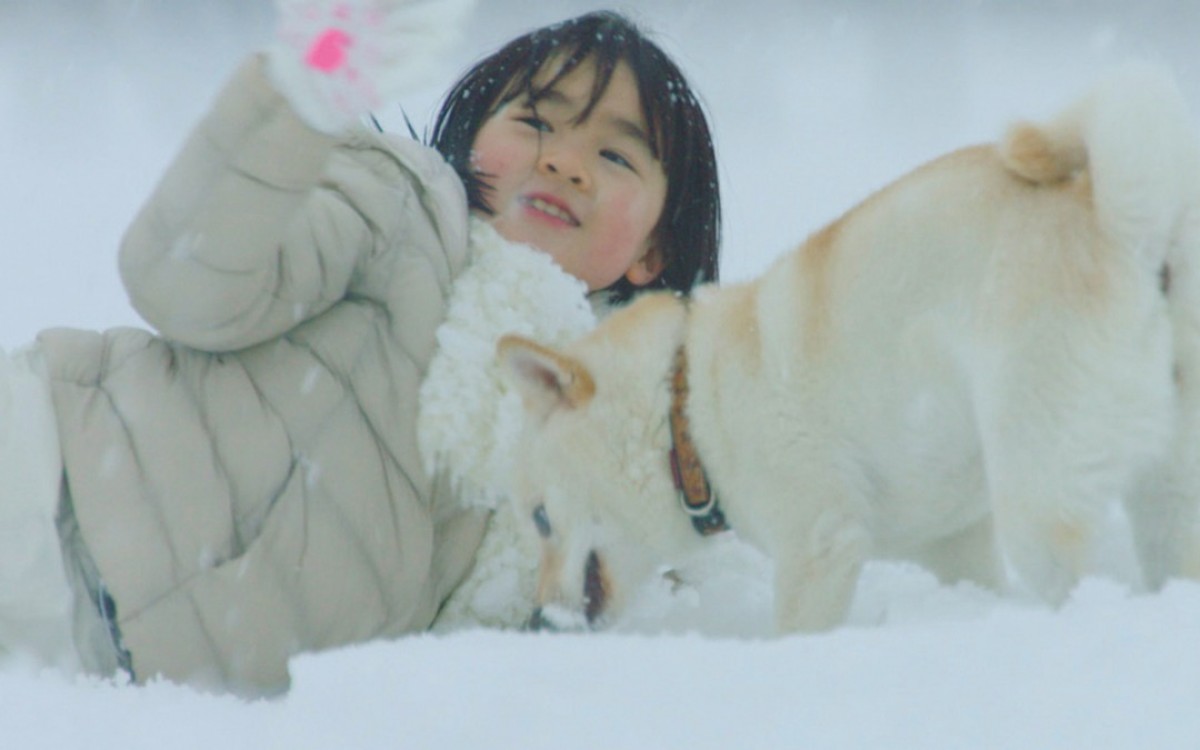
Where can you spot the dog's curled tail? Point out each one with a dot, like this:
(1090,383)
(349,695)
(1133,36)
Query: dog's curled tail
(1134,136)
(1043,154)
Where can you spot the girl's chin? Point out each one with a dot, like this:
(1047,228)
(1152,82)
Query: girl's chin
(520,232)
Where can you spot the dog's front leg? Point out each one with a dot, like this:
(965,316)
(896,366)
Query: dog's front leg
(817,569)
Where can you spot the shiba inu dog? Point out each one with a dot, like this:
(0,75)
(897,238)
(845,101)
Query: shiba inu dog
(963,370)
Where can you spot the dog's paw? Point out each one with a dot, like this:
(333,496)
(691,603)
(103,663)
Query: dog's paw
(557,619)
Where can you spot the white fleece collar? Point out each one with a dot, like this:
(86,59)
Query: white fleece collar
(469,419)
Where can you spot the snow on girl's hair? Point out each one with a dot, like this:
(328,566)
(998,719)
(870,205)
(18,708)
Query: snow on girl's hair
(689,229)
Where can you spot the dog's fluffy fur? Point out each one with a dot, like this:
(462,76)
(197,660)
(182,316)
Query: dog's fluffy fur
(963,369)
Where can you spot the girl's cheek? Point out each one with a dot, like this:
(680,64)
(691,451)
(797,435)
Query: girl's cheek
(486,162)
(632,223)
(497,154)
(619,249)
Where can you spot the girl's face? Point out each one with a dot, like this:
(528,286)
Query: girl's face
(588,193)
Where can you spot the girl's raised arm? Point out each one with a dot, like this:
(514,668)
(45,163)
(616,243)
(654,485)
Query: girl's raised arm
(277,201)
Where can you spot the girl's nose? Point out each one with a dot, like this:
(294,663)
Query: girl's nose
(564,164)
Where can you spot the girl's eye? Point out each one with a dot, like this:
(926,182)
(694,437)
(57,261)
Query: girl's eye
(617,159)
(536,123)
(541,521)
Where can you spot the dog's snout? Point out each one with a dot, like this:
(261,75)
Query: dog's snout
(595,594)
(552,616)
(538,622)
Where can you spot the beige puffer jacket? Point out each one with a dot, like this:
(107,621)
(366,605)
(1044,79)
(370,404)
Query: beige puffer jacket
(248,482)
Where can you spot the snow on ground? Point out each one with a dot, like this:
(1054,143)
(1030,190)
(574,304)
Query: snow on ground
(921,666)
(815,104)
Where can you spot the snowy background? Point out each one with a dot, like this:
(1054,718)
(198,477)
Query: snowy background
(814,104)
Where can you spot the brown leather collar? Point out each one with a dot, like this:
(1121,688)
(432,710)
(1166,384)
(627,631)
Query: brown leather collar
(695,492)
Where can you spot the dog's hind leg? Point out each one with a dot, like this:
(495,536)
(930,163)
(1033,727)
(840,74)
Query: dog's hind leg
(1162,515)
(1049,543)
(1164,511)
(1060,444)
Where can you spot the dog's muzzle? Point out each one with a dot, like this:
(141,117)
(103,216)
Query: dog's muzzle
(595,599)
(538,622)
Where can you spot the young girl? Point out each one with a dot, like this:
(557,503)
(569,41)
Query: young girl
(521,129)
(203,503)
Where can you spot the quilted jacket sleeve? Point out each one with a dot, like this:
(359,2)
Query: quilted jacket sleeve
(262,222)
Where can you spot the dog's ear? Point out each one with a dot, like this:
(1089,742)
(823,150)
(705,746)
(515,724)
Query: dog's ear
(546,379)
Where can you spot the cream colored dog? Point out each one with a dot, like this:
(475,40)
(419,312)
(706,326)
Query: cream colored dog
(962,370)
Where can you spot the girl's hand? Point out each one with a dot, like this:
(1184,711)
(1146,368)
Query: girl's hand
(335,60)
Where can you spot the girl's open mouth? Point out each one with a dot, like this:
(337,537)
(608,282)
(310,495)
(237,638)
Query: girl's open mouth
(551,209)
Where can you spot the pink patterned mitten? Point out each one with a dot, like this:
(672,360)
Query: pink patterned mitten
(335,60)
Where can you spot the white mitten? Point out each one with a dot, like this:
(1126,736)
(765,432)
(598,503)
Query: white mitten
(335,60)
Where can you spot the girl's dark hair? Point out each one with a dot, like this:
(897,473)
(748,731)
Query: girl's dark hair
(688,232)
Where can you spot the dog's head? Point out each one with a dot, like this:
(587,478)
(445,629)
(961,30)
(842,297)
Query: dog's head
(592,479)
